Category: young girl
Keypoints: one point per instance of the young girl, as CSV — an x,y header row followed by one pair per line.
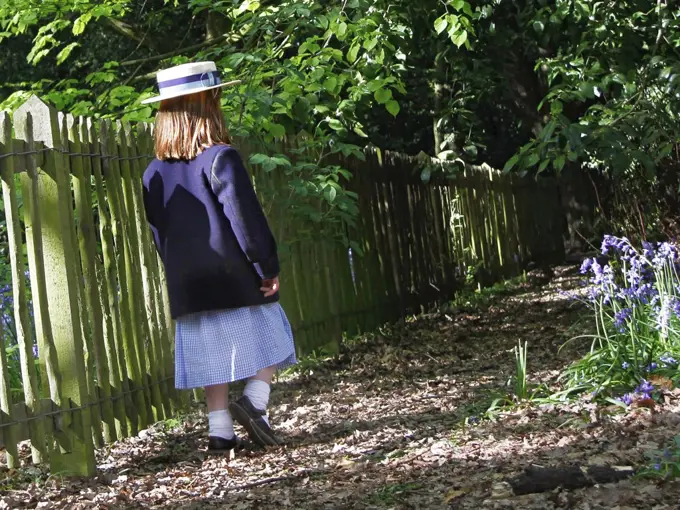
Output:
x,y
219,255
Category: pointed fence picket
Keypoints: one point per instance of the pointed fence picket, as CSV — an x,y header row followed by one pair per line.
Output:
x,y
88,288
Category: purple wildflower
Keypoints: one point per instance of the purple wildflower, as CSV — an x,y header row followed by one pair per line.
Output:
x,y
645,387
621,318
35,351
625,365
657,466
586,265
668,360
620,244
653,366
627,399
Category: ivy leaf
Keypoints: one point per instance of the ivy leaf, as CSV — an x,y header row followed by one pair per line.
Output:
x,y
375,85
269,165
64,54
440,24
330,84
335,124
258,159
471,150
458,4
281,160
393,107
369,44
353,52
511,163
383,95
81,23
330,194
460,38
277,130
342,29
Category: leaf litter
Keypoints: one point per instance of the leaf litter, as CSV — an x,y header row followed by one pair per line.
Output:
x,y
400,419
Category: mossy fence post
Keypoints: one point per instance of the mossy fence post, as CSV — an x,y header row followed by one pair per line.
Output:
x,y
54,195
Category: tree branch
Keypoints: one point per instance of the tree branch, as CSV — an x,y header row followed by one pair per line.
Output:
x,y
124,29
155,58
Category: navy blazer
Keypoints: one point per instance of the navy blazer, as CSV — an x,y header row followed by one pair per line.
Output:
x,y
210,232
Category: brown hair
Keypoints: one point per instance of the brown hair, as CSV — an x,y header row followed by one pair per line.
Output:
x,y
186,125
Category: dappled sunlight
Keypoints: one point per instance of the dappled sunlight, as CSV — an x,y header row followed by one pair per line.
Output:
x,y
407,419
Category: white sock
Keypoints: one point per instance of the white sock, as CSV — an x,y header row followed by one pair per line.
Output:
x,y
258,393
220,424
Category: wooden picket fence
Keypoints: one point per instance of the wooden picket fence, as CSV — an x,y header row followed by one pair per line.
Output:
x,y
97,307
419,241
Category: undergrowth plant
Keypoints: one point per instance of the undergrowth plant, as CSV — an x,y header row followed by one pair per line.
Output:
x,y
664,463
635,299
521,389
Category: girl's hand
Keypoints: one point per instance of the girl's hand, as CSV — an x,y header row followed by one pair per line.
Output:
x,y
270,287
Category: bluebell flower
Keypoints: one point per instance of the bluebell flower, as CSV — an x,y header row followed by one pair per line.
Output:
x,y
35,351
676,307
645,387
657,467
668,360
621,318
628,399
586,265
625,365
620,244
607,243
653,366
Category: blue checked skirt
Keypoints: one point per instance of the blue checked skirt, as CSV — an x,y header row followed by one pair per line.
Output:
x,y
224,346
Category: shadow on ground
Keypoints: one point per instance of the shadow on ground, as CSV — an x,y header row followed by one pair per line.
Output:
x,y
397,421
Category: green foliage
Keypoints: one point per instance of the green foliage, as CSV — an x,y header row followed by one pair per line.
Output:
x,y
634,299
457,22
308,364
521,388
612,75
663,464
305,67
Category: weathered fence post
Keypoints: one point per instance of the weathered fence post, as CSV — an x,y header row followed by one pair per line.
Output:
x,y
28,371
56,202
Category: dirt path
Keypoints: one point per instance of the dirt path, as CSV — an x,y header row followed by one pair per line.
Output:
x,y
397,422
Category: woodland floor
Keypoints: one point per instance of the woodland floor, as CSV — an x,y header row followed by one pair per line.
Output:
x,y
384,426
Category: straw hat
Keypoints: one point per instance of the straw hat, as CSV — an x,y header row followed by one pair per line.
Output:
x,y
187,79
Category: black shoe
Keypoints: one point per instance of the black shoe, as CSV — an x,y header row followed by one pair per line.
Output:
x,y
252,420
217,445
